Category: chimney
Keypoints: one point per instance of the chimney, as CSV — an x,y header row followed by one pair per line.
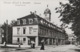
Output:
x,y
31,12
34,12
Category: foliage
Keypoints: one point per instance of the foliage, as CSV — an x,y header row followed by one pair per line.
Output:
x,y
70,13
7,33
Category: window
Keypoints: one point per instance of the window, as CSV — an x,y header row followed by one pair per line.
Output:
x,y
30,30
24,30
18,40
24,21
24,39
30,21
49,25
36,20
41,21
18,22
18,30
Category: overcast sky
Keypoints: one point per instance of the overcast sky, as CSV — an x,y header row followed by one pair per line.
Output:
x,y
13,9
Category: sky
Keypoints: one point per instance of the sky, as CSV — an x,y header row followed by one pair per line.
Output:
x,y
13,9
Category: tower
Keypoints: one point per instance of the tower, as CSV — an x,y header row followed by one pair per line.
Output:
x,y
47,14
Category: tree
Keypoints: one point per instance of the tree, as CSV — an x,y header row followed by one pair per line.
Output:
x,y
7,33
70,13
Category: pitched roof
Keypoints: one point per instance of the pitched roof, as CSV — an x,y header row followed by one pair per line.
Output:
x,y
37,16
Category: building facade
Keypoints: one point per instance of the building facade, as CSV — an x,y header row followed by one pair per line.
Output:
x,y
35,28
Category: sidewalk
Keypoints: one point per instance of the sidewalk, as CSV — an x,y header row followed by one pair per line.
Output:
x,y
23,46
28,46
48,48
16,46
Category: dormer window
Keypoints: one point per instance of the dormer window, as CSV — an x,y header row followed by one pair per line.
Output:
x,y
24,21
53,27
49,25
30,21
44,22
41,21
36,20
18,22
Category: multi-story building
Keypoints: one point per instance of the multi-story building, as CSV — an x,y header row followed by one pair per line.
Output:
x,y
35,28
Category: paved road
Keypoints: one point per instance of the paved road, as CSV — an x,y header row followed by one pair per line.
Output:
x,y
63,48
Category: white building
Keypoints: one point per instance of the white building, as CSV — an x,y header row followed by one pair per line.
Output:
x,y
24,34
35,28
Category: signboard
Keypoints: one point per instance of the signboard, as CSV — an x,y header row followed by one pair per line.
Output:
x,y
33,30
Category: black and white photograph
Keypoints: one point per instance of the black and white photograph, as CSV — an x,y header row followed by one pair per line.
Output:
x,y
39,25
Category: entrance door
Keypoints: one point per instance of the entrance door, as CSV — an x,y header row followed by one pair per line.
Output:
x,y
31,39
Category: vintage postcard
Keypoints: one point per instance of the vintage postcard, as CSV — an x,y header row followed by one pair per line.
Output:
x,y
33,26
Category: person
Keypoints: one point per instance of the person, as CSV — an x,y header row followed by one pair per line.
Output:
x,y
42,45
32,44
4,43
19,45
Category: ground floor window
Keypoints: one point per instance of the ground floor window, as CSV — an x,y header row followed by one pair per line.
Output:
x,y
24,39
18,40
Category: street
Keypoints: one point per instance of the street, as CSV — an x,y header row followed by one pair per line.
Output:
x,y
60,48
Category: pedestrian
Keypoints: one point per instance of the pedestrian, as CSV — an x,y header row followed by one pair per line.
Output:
x,y
19,45
32,44
4,43
42,45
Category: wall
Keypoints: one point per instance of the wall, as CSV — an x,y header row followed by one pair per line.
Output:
x,y
32,32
